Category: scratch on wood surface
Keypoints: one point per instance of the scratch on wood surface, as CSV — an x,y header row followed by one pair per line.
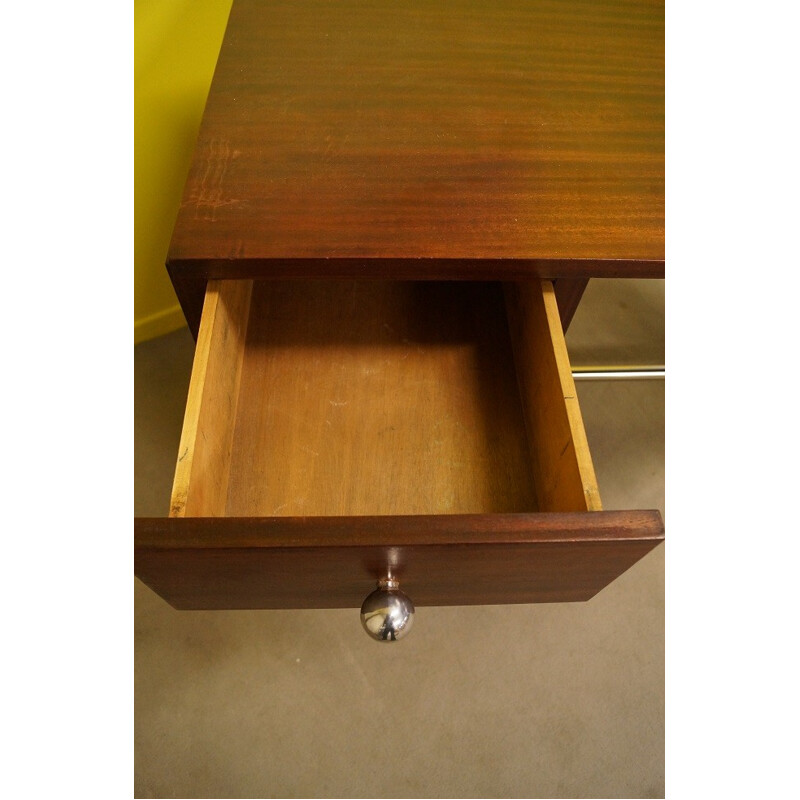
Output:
x,y
207,195
178,504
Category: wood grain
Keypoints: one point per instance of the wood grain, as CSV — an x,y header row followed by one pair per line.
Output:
x,y
201,473
319,562
562,465
373,397
353,140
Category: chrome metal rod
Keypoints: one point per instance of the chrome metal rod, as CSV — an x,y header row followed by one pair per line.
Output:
x,y
581,374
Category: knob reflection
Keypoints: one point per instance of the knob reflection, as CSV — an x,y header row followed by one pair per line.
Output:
x,y
387,614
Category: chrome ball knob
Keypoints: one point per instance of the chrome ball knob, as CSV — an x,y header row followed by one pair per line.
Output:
x,y
387,613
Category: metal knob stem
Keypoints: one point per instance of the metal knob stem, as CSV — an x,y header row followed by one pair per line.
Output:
x,y
387,613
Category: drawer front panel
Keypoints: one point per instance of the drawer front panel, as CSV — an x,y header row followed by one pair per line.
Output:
x,y
332,562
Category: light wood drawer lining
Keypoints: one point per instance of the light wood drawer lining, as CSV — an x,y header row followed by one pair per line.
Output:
x,y
355,398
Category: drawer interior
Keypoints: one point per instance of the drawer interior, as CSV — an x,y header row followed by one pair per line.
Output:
x,y
350,398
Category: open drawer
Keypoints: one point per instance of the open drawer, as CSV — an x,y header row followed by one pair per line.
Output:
x,y
337,430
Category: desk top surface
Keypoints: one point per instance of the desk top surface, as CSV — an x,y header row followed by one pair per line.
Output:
x,y
416,139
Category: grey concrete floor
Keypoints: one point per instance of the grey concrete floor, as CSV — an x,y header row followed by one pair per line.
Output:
x,y
557,700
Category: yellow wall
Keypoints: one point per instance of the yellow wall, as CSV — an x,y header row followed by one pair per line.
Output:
x,y
177,43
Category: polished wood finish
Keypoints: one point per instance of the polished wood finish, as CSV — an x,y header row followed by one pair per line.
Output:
x,y
562,465
349,410
507,140
332,562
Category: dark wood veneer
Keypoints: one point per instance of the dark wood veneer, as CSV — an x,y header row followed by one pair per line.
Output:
x,y
508,140
332,562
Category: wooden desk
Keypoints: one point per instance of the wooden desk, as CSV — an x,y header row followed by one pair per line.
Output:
x,y
456,140
354,161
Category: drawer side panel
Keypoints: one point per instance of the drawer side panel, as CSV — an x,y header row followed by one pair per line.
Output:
x,y
200,487
562,465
